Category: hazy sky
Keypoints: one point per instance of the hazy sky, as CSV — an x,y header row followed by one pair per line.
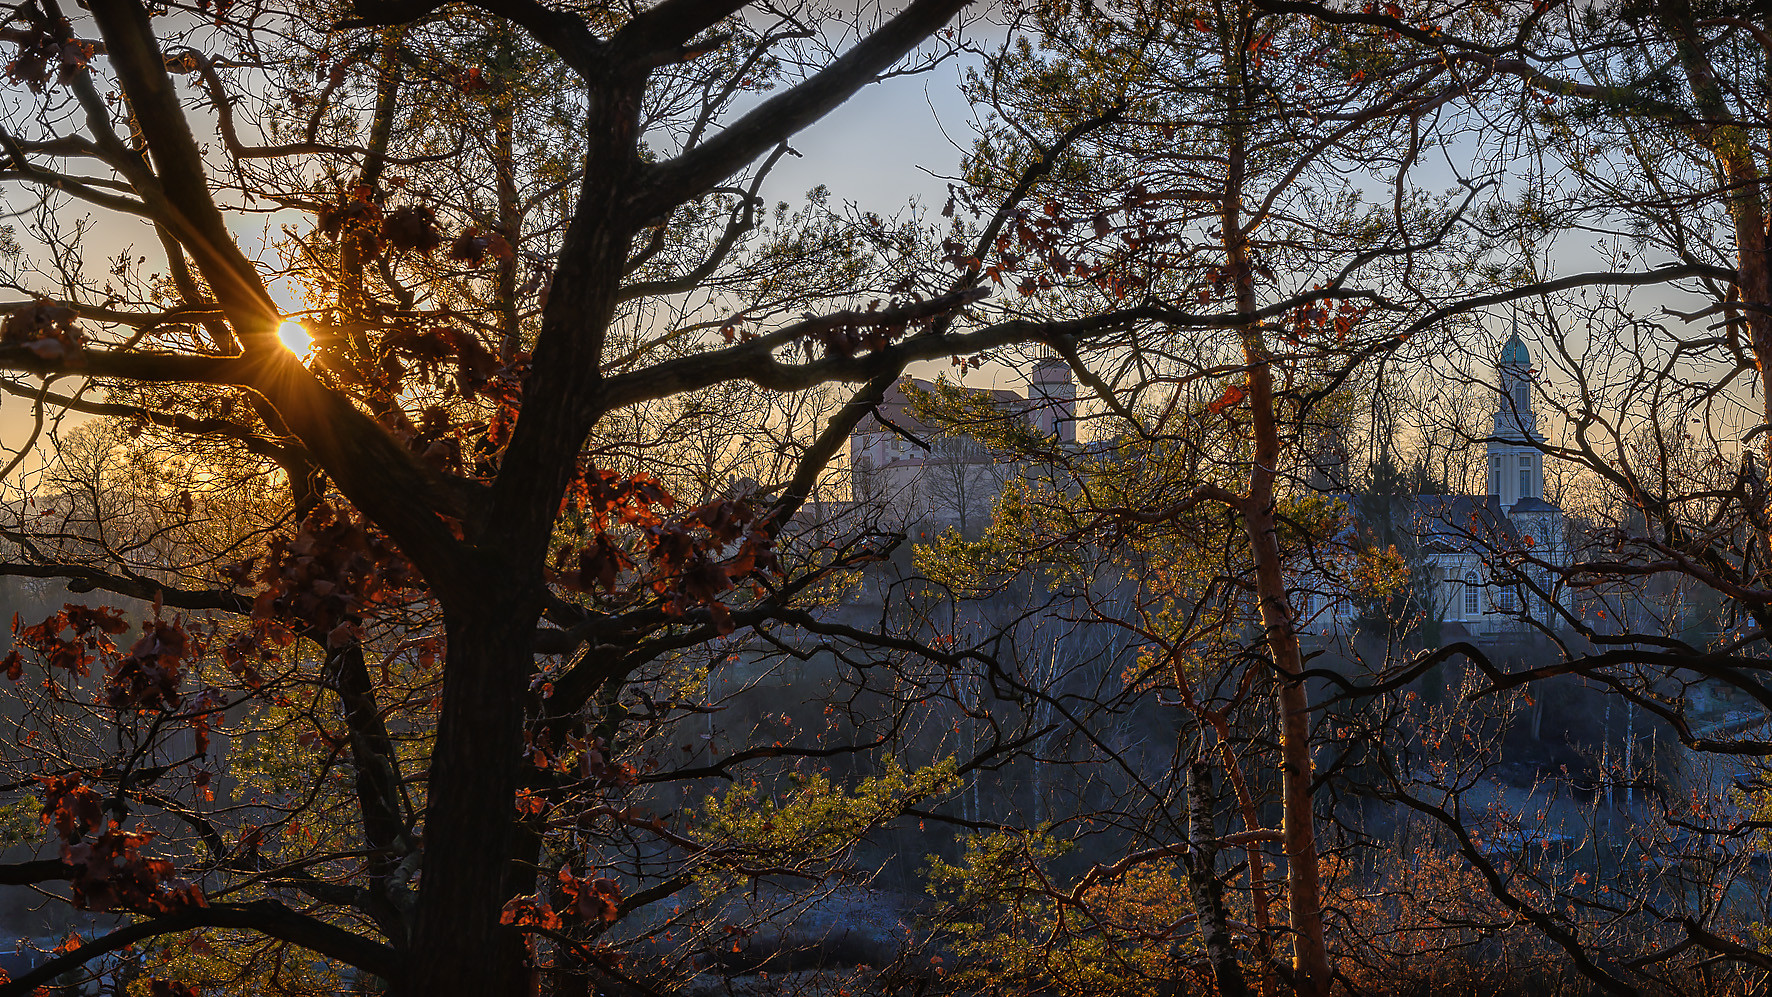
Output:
x,y
880,148
879,151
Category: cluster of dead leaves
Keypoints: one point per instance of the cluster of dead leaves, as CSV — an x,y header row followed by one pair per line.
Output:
x,y
47,50
595,766
1324,319
473,246
91,629
700,557
409,228
586,900
435,438
330,575
110,871
868,330
429,349
1092,243
147,678
606,498
247,650
43,327
688,561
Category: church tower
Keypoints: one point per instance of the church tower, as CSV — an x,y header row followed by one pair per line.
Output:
x,y
1054,397
1516,466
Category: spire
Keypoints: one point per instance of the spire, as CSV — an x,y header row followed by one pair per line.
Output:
x,y
1513,352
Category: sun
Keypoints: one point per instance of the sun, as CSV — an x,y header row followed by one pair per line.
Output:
x,y
295,339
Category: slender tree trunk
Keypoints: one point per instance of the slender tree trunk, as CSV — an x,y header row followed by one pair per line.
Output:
x,y
1043,716
1208,893
1257,864
510,224
1304,899
1304,894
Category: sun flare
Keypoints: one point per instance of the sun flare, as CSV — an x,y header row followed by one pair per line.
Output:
x,y
295,338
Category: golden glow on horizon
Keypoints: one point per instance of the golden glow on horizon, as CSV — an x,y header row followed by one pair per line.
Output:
x,y
295,338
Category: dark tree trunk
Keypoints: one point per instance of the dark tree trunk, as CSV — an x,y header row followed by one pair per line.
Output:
x,y
471,835
459,947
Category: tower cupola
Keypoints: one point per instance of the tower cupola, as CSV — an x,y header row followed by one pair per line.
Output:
x,y
1513,376
1516,464
1514,353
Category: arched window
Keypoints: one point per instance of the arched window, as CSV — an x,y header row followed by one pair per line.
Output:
x,y
1504,600
1522,396
1471,605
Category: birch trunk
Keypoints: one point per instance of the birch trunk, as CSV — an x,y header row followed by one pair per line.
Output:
x,y
1208,893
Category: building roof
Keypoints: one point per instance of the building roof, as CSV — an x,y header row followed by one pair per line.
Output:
x,y
895,407
1455,519
1514,353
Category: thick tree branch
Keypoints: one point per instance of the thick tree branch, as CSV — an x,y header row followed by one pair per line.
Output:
x,y
662,31
755,361
38,871
266,917
565,33
153,368
81,578
284,456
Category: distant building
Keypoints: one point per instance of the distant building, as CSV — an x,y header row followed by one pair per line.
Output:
x,y
913,473
1487,557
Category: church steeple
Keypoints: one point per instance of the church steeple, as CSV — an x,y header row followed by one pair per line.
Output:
x,y
1516,466
1513,375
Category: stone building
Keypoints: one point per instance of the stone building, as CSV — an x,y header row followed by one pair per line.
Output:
x,y
913,473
